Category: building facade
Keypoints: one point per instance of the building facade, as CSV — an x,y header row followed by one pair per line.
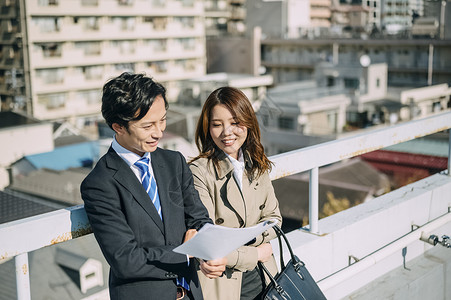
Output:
x,y
61,53
410,62
225,17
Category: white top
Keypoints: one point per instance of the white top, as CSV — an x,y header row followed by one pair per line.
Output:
x,y
238,167
130,158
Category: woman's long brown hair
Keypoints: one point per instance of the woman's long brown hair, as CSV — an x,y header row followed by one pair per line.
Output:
x,y
241,108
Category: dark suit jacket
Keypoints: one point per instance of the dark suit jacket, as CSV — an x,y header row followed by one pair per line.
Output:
x,y
135,242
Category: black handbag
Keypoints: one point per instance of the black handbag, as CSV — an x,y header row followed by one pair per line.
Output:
x,y
293,281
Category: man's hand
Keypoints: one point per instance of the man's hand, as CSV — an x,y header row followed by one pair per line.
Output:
x,y
264,252
189,234
213,268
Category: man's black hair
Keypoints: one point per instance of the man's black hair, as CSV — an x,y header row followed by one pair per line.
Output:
x,y
128,97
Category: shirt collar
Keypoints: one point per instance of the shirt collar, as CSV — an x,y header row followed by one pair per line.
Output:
x,y
237,163
129,157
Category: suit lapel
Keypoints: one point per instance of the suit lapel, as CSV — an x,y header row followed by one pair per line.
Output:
x,y
163,176
128,180
161,179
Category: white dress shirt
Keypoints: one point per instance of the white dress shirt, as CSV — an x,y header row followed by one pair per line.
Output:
x,y
130,158
238,167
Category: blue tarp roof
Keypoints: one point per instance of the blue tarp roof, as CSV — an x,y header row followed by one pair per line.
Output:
x,y
62,158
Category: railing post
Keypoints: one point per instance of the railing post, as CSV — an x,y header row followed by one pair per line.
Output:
x,y
22,277
313,200
449,153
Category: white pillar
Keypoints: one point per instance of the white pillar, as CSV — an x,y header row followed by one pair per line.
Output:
x,y
23,277
313,200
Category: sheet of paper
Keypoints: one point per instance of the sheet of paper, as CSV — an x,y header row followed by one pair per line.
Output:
x,y
214,241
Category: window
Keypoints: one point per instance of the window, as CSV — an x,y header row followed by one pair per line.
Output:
x,y
88,23
47,24
187,64
51,76
89,2
51,49
125,2
187,3
286,123
158,23
53,101
125,67
125,47
158,3
124,23
89,48
188,43
187,22
158,66
351,83
90,96
92,72
157,45
47,2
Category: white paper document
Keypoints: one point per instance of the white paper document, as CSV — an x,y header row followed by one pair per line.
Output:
x,y
214,241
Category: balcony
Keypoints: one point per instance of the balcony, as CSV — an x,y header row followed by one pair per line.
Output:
x,y
378,249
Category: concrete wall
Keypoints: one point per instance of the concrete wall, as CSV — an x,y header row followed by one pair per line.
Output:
x,y
375,233
230,55
20,141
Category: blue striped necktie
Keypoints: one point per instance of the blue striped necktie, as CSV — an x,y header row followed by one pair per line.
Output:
x,y
149,183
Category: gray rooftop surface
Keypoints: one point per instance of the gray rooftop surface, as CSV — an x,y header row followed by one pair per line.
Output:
x,y
14,206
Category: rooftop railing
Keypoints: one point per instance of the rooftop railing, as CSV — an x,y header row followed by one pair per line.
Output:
x,y
29,234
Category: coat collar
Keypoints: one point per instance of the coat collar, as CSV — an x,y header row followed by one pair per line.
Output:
x,y
225,166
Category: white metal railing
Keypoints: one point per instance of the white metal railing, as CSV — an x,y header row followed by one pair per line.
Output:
x,y
29,234
311,158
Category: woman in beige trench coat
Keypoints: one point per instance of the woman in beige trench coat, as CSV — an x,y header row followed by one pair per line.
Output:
x,y
231,175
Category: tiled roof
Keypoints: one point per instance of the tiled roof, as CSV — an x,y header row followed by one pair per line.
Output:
x,y
11,119
426,146
61,186
14,206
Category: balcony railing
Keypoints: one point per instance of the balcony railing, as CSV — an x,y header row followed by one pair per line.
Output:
x,y
29,234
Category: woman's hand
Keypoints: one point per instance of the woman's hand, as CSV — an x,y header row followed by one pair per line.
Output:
x,y
213,268
264,252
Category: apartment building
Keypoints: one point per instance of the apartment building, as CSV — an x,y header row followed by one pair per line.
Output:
x,y
412,63
397,15
61,53
341,99
288,18
225,17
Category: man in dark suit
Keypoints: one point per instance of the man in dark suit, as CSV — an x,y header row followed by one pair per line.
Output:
x,y
136,224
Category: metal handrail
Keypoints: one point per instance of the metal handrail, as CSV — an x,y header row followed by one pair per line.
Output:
x,y
313,157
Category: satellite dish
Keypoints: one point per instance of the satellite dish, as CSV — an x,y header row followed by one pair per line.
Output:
x,y
365,60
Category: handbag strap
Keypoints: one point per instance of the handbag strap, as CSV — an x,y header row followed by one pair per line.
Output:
x,y
280,235
264,269
296,262
276,285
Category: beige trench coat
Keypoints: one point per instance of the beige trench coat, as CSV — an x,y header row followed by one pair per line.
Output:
x,y
228,206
